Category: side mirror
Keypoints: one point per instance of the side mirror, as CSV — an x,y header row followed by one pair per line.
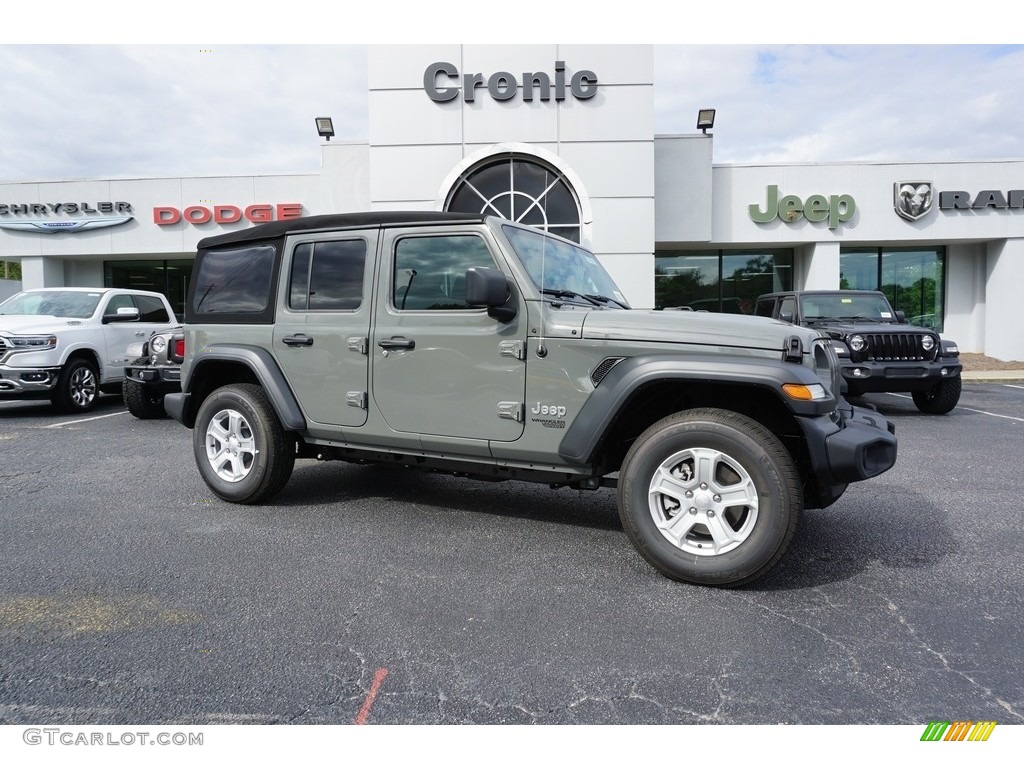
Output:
x,y
786,317
123,315
486,287
901,316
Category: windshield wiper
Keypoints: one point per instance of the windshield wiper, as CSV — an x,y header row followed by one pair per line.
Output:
x,y
604,299
561,293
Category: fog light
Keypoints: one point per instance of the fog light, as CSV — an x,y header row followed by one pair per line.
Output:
x,y
35,378
945,371
857,372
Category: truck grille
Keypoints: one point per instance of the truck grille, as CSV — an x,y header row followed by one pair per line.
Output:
x,y
888,347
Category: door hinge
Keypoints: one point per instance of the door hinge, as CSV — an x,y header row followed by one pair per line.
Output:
x,y
356,399
360,344
516,349
512,411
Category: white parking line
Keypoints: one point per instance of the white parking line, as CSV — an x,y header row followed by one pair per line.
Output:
x,y
1015,386
974,410
91,418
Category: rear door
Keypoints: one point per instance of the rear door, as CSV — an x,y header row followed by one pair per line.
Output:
x,y
321,334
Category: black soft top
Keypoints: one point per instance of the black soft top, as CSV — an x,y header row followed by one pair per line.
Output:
x,y
331,221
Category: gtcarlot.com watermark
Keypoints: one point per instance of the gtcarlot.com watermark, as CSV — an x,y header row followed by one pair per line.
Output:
x,y
69,737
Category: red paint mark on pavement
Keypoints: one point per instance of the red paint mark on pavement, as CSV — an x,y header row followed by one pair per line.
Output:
x,y
364,713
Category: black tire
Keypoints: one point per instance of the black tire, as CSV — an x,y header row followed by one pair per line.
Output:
x,y
142,402
942,398
243,453
78,387
704,451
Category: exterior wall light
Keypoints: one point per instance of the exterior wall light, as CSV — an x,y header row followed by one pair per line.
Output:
x,y
325,127
705,119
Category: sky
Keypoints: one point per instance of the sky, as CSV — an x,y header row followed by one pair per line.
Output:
x,y
142,97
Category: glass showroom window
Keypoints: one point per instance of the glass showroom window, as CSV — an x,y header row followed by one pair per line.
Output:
x,y
720,281
170,278
912,278
521,189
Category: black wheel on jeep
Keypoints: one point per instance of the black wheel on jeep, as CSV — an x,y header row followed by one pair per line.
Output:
x,y
710,496
241,449
142,401
77,387
942,398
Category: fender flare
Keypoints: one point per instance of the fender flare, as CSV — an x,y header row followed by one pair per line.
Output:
x,y
257,360
633,373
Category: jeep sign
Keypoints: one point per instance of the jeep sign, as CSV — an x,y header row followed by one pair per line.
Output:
x,y
836,209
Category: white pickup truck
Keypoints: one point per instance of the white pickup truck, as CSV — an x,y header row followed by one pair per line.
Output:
x,y
69,344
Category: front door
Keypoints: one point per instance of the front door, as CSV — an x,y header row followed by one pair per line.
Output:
x,y
441,367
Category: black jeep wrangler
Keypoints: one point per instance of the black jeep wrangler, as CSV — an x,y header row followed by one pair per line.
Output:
x,y
878,350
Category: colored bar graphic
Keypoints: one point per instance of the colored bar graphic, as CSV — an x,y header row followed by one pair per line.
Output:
x,y
958,730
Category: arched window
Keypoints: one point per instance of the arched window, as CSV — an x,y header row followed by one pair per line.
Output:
x,y
522,189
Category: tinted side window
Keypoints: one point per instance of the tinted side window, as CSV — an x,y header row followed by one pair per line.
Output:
x,y
236,281
788,307
327,275
430,272
123,301
765,307
151,309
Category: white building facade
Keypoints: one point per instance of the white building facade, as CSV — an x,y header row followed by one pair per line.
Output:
x,y
562,137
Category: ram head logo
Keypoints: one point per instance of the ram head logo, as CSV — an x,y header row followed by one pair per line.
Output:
x,y
912,199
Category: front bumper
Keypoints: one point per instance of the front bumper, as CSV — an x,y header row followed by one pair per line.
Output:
x,y
872,376
18,383
858,445
161,378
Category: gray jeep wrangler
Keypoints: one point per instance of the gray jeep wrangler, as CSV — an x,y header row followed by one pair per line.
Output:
x,y
474,345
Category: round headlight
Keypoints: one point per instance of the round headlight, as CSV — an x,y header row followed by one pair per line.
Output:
x,y
857,342
158,344
928,343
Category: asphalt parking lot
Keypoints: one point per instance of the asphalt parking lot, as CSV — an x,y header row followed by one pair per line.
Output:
x,y
129,594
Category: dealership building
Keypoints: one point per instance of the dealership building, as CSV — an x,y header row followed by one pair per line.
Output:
x,y
562,137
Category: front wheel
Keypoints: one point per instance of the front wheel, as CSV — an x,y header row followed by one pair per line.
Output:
x,y
243,453
142,402
710,496
77,387
942,398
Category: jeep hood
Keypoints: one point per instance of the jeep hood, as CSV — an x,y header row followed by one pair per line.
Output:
x,y
699,328
846,327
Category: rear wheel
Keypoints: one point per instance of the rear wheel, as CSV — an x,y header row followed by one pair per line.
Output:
x,y
710,496
242,451
942,398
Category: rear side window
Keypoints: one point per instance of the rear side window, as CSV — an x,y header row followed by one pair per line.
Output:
x,y
327,275
151,309
234,282
765,307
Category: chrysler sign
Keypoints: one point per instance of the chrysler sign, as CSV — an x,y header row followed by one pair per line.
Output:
x,y
50,218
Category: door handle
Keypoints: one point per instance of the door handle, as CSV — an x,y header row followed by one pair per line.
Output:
x,y
301,340
396,342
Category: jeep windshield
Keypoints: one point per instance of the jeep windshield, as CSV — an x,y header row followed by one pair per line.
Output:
x,y
76,304
564,270
829,308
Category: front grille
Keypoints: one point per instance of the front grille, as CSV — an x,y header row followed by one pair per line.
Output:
x,y
892,347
